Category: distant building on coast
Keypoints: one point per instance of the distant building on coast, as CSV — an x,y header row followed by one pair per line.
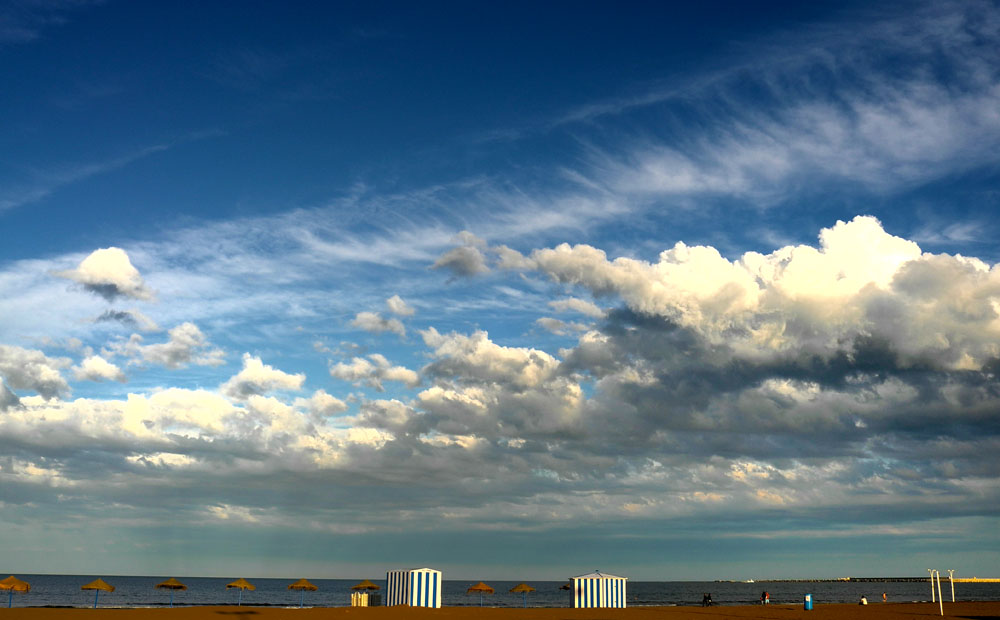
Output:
x,y
597,589
416,587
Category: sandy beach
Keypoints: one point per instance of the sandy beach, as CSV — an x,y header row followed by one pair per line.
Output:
x,y
875,611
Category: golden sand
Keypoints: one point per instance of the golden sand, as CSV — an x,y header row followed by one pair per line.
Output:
x,y
874,611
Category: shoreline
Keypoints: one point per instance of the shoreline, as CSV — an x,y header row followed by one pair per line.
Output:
x,y
832,611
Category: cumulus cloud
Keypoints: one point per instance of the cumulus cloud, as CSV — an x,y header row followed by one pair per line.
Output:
x,y
861,280
399,307
186,344
109,273
476,356
257,378
373,371
465,260
574,304
489,390
28,369
558,327
96,368
375,323
321,404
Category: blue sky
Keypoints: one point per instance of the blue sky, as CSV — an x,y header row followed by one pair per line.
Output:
x,y
677,292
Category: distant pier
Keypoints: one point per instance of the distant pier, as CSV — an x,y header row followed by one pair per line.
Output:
x,y
883,579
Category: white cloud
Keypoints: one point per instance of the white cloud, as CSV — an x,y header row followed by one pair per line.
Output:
x,y
257,378
27,369
573,304
186,344
884,130
477,357
559,327
110,274
96,368
375,323
860,280
373,371
322,404
399,307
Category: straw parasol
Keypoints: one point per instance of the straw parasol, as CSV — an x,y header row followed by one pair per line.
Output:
x,y
12,584
523,588
302,585
97,585
171,584
242,584
366,585
482,588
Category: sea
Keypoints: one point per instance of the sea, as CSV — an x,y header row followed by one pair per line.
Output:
x,y
132,591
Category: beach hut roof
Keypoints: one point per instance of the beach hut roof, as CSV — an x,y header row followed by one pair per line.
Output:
x,y
522,587
242,584
481,587
14,584
366,585
98,584
598,575
302,584
171,584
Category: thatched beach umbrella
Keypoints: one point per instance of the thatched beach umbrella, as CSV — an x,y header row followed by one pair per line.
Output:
x,y
523,588
242,584
12,584
97,585
172,585
302,585
482,588
366,585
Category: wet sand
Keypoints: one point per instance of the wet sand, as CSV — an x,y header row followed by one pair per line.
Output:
x,y
873,611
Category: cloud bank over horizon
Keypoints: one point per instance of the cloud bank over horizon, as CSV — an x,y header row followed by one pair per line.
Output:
x,y
857,375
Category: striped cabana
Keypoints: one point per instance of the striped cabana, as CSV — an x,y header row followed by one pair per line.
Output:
x,y
416,587
598,590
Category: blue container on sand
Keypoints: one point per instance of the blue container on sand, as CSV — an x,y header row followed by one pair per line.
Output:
x,y
808,603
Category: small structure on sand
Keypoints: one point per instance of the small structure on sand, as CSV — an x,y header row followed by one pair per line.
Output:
x,y
365,594
598,589
416,587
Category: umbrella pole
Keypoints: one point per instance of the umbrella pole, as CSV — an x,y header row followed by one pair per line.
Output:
x,y
239,603
171,598
480,599
524,595
96,594
10,597
302,596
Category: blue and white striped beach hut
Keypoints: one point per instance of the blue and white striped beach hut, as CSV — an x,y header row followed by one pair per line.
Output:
x,y
416,587
598,590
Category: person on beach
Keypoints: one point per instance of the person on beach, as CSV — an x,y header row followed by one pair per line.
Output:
x,y
863,601
706,600
884,599
764,598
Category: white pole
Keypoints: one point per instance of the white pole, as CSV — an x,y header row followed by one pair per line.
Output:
x,y
931,571
951,580
940,598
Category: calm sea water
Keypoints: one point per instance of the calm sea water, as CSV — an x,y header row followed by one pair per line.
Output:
x,y
64,591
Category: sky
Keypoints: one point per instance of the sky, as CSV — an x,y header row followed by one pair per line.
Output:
x,y
678,291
